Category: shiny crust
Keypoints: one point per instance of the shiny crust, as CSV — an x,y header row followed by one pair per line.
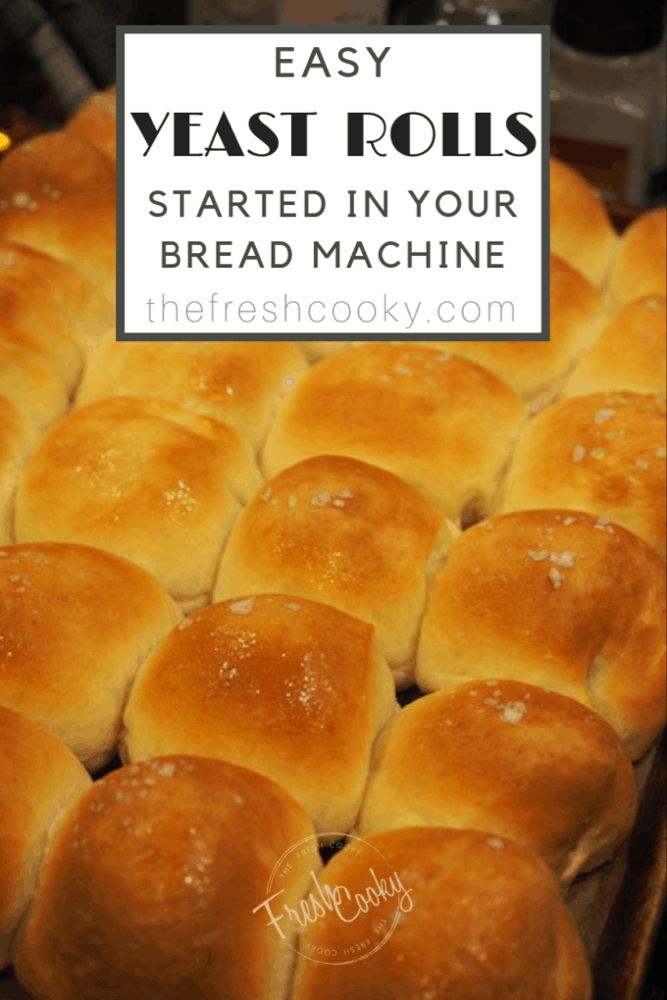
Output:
x,y
75,624
337,530
603,453
536,370
39,777
557,599
149,885
487,923
240,383
640,265
47,308
512,759
293,689
144,479
441,423
58,195
629,353
581,232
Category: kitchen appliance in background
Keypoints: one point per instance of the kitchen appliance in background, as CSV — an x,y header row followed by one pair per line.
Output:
x,y
42,37
74,41
606,82
657,184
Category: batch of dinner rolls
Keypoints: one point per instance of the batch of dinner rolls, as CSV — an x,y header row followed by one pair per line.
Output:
x,y
221,565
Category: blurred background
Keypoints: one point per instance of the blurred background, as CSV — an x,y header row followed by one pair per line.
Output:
x,y
607,82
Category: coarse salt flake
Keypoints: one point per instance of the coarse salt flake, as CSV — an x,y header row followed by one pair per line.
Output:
x,y
242,607
513,712
565,559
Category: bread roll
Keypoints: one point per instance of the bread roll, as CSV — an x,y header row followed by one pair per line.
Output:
x,y
241,383
293,689
603,453
144,479
536,370
48,308
28,382
15,443
39,777
58,195
628,354
464,916
512,759
75,625
315,350
640,264
149,886
95,121
558,599
441,423
581,232
341,531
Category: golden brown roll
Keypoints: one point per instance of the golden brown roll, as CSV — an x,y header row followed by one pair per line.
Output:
x,y
28,382
315,350
464,916
581,232
95,121
559,599
39,777
293,689
640,263
47,307
512,759
58,195
336,530
75,624
603,453
441,423
144,479
240,383
149,885
628,354
15,443
536,371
